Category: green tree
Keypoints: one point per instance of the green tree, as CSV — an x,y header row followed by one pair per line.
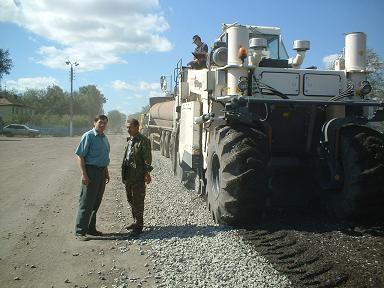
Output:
x,y
33,98
375,67
116,121
49,101
6,63
137,115
55,101
92,100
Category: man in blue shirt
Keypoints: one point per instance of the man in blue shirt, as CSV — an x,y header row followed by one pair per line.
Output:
x,y
93,160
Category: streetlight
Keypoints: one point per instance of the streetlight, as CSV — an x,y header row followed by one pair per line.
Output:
x,y
71,99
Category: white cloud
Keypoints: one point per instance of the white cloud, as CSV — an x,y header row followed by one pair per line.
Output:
x,y
121,85
94,33
138,91
136,87
329,60
23,84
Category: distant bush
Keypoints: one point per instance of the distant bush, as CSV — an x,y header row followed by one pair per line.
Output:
x,y
59,120
48,120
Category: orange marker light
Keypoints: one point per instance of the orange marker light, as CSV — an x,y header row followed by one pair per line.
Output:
x,y
242,53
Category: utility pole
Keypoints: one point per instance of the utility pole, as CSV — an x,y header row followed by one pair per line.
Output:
x,y
71,99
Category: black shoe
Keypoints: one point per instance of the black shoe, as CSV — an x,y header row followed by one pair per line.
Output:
x,y
94,233
131,226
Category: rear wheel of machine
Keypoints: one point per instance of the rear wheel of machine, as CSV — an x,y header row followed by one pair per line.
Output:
x,y
167,140
154,145
162,137
236,174
362,157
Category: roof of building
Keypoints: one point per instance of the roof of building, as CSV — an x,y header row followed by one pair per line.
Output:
x,y
6,102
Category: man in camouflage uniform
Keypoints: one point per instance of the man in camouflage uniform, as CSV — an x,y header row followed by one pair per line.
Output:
x,y
136,167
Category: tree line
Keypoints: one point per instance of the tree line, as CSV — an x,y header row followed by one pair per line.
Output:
x,y
51,106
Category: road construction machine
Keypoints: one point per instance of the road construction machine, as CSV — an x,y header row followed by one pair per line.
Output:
x,y
254,114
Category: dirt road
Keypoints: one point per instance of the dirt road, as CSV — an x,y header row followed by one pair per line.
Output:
x,y
39,190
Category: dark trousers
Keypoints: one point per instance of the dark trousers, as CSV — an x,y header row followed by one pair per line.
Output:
x,y
135,197
90,200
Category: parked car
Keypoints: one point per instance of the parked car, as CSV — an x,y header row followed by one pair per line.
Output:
x,y
21,130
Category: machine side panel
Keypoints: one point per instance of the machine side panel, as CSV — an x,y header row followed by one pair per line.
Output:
x,y
190,134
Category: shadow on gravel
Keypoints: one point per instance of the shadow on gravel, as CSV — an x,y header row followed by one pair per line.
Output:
x,y
166,232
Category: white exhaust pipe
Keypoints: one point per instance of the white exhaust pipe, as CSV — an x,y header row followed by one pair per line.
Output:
x,y
356,57
237,38
301,46
257,45
355,52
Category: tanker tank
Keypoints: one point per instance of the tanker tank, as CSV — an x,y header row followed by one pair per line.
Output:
x,y
162,114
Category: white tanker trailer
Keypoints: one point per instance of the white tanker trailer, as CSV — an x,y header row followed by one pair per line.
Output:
x,y
158,123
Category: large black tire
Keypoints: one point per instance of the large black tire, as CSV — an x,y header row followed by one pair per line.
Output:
x,y
362,157
237,175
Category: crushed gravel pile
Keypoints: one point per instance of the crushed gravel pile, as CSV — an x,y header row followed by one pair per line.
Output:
x,y
187,248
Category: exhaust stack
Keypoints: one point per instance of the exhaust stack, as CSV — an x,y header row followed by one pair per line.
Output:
x,y
356,58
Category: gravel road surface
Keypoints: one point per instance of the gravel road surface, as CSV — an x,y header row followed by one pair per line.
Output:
x,y
180,246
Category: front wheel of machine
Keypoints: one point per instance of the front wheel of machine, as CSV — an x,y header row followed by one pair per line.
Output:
x,y
362,157
236,174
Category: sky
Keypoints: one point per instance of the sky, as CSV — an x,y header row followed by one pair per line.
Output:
x,y
124,46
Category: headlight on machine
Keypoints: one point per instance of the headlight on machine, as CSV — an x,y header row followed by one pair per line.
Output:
x,y
243,84
364,89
